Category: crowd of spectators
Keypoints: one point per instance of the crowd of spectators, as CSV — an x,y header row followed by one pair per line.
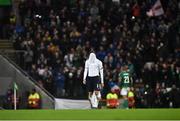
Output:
x,y
58,35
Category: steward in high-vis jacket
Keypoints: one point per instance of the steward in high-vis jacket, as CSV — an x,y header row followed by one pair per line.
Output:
x,y
34,100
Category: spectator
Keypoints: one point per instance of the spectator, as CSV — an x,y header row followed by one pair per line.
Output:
x,y
136,10
174,97
10,100
59,83
28,58
131,100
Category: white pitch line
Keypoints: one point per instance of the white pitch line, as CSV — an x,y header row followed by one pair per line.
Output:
x,y
89,120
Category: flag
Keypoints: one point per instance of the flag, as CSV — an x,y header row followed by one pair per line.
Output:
x,y
156,9
15,95
15,86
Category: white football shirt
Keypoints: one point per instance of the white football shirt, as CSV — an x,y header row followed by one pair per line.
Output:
x,y
93,67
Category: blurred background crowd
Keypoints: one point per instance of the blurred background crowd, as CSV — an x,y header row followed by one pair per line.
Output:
x,y
58,35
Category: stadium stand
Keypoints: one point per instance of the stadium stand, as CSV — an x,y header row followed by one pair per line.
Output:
x,y
58,35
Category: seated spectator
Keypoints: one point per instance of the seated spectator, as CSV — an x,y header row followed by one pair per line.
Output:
x,y
114,86
112,99
34,100
131,100
10,100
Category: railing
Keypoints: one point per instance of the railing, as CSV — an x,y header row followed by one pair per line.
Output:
x,y
15,55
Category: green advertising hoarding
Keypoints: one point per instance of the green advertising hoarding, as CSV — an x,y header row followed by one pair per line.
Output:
x,y
5,2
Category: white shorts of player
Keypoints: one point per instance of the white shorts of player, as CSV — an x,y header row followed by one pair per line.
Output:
x,y
124,91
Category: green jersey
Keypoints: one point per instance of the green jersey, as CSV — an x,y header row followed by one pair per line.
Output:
x,y
125,79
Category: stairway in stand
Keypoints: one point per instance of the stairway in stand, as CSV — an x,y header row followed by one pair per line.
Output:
x,y
7,49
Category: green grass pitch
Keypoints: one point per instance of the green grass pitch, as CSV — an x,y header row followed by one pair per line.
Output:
x,y
93,114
